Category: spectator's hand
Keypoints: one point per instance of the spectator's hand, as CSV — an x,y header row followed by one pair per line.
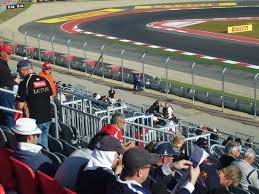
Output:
x,y
118,167
194,173
129,145
182,164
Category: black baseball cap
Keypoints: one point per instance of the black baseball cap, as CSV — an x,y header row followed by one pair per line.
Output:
x,y
137,158
165,149
23,63
109,143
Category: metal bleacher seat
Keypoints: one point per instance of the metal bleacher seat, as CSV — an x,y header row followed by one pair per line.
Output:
x,y
238,190
52,156
11,139
68,148
55,145
67,132
61,156
3,139
253,190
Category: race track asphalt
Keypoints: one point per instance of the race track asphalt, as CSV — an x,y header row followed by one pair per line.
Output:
x,y
132,27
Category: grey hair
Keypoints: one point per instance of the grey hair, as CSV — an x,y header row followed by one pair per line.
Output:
x,y
249,153
116,117
231,145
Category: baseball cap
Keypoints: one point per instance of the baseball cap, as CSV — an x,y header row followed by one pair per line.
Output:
x,y
23,63
6,48
109,143
165,149
26,126
137,158
46,66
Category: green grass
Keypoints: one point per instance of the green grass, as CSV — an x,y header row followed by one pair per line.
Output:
x,y
154,51
222,26
209,90
10,13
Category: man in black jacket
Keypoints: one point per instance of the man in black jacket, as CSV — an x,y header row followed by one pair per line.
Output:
x,y
6,82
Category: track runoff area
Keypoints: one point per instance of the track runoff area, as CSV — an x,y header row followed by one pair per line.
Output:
x,y
71,23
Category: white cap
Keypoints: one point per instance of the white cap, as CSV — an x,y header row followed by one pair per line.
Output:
x,y
26,126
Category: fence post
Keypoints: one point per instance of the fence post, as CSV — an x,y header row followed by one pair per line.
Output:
x,y
102,48
25,42
53,52
122,65
223,88
1,38
85,56
13,38
143,68
254,81
193,90
39,50
166,73
68,52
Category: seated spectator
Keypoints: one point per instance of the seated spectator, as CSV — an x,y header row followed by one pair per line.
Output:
x,y
238,140
154,108
249,173
67,173
213,181
27,134
170,111
177,144
249,143
98,173
111,96
230,138
232,152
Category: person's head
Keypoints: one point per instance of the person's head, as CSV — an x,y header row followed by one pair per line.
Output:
x,y
233,149
118,119
5,52
16,78
178,141
26,130
137,163
166,152
230,176
238,140
250,156
249,142
24,67
46,68
95,140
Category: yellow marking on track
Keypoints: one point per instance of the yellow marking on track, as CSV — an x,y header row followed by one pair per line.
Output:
x,y
227,4
80,16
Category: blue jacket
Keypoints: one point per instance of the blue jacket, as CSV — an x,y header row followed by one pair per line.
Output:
x,y
36,161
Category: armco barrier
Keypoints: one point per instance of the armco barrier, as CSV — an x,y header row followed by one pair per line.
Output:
x,y
105,70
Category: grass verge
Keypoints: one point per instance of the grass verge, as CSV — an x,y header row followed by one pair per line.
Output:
x,y
10,13
154,51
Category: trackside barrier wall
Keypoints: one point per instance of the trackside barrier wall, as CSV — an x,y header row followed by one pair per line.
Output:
x,y
149,80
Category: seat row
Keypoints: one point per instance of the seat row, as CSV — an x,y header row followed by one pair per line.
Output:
x,y
16,175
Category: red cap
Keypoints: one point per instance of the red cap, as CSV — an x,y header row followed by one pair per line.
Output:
x,y
6,48
46,66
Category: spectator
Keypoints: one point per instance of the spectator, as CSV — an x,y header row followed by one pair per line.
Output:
x,y
137,82
249,143
136,165
178,143
47,74
34,98
68,171
230,138
232,152
6,82
170,111
150,147
154,108
111,96
17,80
249,173
98,173
27,133
238,140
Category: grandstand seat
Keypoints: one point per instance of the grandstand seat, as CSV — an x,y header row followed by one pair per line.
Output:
x,y
55,145
49,185
61,156
238,190
3,139
11,139
68,148
2,191
25,177
253,190
7,178
52,156
67,132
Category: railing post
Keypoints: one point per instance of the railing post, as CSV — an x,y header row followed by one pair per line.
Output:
x,y
102,48
68,52
122,65
85,56
25,43
254,83
56,119
223,88
193,90
143,68
166,73
1,38
53,52
13,38
39,50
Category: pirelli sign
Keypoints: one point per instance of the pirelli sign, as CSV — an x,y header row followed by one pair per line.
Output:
x,y
243,28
